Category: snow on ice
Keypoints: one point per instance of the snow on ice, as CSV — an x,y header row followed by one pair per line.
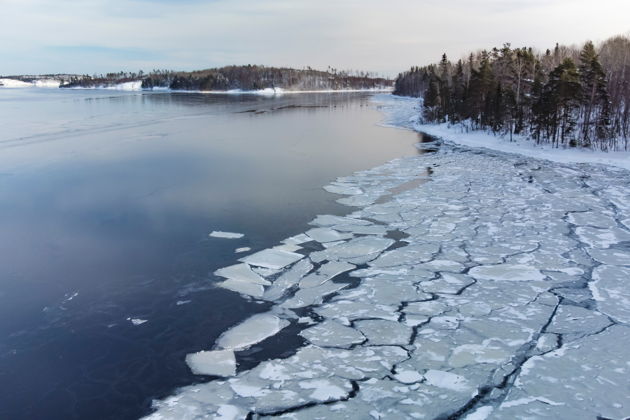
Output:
x,y
497,288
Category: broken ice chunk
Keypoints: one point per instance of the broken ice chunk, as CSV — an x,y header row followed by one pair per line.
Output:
x,y
612,256
244,249
610,290
343,189
325,273
408,376
251,331
137,321
226,235
381,332
288,279
312,295
243,286
297,239
507,272
447,380
216,363
332,334
241,272
272,258
288,247
358,250
327,389
328,220
327,235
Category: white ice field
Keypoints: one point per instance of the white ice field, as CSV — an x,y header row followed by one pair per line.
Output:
x,y
496,288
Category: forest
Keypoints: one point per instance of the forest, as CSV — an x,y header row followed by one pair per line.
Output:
x,y
248,77
566,96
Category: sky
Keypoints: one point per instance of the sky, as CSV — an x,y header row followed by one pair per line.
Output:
x,y
383,36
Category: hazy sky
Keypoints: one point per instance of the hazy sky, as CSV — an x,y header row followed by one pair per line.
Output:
x,y
387,36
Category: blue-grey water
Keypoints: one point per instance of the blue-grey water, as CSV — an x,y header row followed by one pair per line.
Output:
x,y
106,202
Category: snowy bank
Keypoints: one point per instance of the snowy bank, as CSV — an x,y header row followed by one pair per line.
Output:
x,y
39,83
405,112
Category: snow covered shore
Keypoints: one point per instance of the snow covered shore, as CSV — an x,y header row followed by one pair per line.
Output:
x,y
405,112
466,283
136,86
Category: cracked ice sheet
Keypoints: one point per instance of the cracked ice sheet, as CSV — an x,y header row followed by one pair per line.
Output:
x,y
584,379
476,288
611,290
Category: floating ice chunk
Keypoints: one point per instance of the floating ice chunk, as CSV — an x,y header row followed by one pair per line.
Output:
x,y
332,334
408,376
251,331
507,272
325,389
182,302
357,250
243,249
491,351
443,265
611,256
574,319
362,229
288,279
217,363
601,238
137,321
272,258
349,310
331,244
326,272
265,272
611,290
381,332
226,235
592,219
343,189
328,220
312,295
241,272
430,308
288,247
447,284
410,254
297,239
447,380
244,287
327,235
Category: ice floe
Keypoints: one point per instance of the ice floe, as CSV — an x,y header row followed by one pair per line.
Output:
x,y
217,363
251,331
226,235
272,258
496,288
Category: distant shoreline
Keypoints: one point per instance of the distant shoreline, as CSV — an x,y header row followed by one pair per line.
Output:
x,y
9,83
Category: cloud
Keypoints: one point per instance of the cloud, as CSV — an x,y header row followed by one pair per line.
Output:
x,y
385,36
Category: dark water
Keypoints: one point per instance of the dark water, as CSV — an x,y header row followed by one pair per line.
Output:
x,y
106,202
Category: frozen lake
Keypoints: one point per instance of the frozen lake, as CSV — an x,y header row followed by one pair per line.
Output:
x,y
107,200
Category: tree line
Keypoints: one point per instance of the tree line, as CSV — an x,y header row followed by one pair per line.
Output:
x,y
248,77
569,96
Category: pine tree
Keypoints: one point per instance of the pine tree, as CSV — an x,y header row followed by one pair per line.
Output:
x,y
562,94
594,96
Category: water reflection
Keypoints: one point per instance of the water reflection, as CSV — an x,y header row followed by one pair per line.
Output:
x,y
106,200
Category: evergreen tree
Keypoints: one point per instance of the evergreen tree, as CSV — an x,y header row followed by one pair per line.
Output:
x,y
594,95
